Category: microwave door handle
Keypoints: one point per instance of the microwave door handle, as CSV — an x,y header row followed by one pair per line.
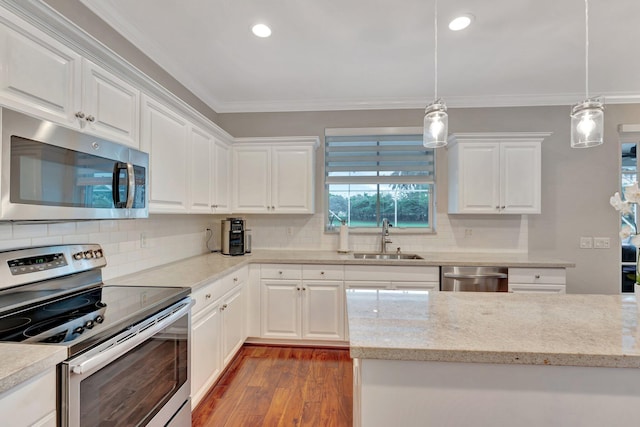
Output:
x,y
131,185
115,184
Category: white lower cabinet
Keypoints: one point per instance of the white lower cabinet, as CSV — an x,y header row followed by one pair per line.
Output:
x,y
31,403
302,302
217,331
538,280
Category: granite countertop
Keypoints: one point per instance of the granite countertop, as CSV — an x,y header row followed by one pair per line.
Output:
x,y
198,271
23,361
567,330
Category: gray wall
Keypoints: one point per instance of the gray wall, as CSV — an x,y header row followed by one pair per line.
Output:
x,y
576,183
84,18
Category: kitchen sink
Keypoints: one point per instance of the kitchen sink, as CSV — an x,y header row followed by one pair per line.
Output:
x,y
379,256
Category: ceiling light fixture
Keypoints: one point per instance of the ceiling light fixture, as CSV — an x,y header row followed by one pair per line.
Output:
x,y
460,22
261,30
587,117
436,120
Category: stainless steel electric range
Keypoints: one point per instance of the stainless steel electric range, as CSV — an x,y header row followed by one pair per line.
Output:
x,y
128,347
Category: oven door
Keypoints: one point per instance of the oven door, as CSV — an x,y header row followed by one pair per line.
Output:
x,y
139,377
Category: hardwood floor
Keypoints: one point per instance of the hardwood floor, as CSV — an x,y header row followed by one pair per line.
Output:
x,y
281,386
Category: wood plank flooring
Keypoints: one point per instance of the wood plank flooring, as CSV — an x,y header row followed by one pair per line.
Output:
x,y
281,386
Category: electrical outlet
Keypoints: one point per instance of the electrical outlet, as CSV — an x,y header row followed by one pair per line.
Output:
x,y
601,242
468,232
586,242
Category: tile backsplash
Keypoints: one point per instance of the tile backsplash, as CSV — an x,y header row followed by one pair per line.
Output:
x,y
129,245
455,233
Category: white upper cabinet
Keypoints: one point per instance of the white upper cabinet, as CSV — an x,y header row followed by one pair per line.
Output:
x,y
43,77
165,136
221,177
110,106
201,149
495,173
39,75
274,175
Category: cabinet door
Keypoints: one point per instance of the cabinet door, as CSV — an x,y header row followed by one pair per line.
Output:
x,y
164,136
38,74
201,146
520,177
206,353
479,178
251,179
292,180
221,177
31,403
323,310
281,309
110,106
232,323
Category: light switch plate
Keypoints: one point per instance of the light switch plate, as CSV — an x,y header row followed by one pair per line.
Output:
x,y
586,242
601,242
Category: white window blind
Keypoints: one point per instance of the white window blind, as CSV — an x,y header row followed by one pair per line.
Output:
x,y
378,159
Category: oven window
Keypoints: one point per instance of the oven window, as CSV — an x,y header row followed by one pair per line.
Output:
x,y
132,389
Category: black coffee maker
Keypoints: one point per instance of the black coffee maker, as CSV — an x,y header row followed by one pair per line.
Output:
x,y
232,236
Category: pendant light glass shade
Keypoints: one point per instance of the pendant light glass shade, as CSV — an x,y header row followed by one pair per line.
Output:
x,y
436,125
587,124
436,119
587,118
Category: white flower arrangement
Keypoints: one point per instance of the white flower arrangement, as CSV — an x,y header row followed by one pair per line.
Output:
x,y
631,196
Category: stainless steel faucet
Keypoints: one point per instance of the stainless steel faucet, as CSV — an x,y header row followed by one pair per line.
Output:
x,y
385,236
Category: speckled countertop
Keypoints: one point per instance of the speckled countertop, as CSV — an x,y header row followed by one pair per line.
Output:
x,y
22,361
569,330
197,271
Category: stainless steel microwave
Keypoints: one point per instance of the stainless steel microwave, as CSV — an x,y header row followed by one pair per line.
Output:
x,y
52,173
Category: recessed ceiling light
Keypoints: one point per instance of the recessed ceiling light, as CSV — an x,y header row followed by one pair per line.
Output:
x,y
460,22
261,30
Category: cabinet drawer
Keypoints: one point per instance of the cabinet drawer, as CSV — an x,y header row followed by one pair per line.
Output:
x,y
322,272
392,273
530,288
281,271
555,276
204,296
232,280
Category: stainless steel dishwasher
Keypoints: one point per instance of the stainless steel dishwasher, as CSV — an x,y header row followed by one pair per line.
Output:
x,y
474,279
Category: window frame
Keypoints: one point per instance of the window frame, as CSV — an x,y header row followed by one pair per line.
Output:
x,y
380,131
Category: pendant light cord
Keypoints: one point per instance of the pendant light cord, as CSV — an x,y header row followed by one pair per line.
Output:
x,y
586,47
435,61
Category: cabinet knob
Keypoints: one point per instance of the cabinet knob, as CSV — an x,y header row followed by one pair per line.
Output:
x,y
224,306
304,289
91,119
502,207
298,288
537,276
322,273
497,207
235,279
280,273
207,296
80,115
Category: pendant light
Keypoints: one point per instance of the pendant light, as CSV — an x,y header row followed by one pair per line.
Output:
x,y
587,117
436,120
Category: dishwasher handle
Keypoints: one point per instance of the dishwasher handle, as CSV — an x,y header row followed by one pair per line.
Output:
x,y
476,276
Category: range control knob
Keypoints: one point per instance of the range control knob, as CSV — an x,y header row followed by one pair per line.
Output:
x,y
88,254
98,253
79,330
99,319
78,255
89,324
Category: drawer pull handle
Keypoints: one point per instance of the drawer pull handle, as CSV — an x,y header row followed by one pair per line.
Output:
x,y
207,296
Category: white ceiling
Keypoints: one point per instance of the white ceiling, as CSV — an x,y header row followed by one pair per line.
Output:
x,y
362,54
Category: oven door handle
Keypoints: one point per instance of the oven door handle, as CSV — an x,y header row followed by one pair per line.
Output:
x,y
128,340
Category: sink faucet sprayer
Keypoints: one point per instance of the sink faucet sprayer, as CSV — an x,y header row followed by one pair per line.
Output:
x,y
385,236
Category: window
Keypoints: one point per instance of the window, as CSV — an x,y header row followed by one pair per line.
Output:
x,y
628,176
371,174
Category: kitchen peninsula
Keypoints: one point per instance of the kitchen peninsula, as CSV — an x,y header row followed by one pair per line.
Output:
x,y
429,358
